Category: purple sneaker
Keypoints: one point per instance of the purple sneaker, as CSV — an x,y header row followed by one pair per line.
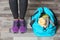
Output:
x,y
23,27
15,29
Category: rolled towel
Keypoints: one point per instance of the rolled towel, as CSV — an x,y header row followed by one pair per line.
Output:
x,y
44,21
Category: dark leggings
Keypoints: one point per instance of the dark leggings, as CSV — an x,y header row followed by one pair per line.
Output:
x,y
22,6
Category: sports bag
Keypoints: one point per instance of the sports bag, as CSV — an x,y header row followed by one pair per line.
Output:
x,y
43,22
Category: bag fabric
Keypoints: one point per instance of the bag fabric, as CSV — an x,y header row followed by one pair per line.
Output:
x,y
39,30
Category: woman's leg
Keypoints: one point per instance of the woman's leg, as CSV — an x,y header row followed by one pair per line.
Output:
x,y
23,7
14,8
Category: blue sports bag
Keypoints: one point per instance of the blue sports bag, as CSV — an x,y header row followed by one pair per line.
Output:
x,y
38,30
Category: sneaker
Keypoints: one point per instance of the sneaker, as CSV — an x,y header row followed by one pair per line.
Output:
x,y
15,29
22,27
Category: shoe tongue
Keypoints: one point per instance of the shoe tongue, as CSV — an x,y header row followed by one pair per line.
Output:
x,y
22,22
15,23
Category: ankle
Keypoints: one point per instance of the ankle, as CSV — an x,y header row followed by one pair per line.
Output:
x,y
15,19
21,19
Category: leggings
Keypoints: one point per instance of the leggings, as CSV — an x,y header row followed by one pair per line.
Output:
x,y
14,8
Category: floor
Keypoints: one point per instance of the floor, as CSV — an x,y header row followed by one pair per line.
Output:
x,y
6,22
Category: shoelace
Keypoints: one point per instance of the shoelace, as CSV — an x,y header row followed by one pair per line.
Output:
x,y
22,23
14,23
